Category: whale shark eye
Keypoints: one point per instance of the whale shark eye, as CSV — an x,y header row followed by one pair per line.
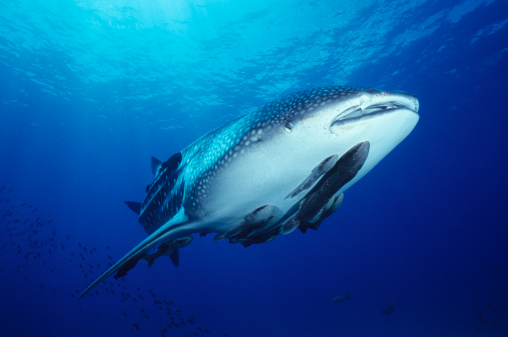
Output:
x,y
289,127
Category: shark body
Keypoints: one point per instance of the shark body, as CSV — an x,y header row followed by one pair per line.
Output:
x,y
282,167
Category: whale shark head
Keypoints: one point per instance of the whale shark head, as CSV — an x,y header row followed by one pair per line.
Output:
x,y
332,120
339,112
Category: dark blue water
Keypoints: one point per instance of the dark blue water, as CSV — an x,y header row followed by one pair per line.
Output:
x,y
90,90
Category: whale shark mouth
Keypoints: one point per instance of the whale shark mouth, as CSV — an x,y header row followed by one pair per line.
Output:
x,y
357,111
381,107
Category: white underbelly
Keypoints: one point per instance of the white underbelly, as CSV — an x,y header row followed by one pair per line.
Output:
x,y
268,171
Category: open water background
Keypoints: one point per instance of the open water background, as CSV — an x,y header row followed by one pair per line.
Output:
x,y
89,90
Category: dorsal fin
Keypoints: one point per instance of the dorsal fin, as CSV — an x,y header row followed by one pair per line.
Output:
x,y
172,163
134,206
164,196
156,164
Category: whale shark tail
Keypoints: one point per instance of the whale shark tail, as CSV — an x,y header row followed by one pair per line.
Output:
x,y
173,229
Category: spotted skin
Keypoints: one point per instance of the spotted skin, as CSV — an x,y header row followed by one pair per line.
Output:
x,y
164,196
213,152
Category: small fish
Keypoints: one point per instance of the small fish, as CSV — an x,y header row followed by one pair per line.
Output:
x,y
388,310
341,298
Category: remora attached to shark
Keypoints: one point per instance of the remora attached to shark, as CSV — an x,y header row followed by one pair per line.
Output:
x,y
282,167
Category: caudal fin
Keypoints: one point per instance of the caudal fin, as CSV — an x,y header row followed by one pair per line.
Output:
x,y
171,230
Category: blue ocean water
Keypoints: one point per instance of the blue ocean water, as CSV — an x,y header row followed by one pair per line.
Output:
x,y
89,90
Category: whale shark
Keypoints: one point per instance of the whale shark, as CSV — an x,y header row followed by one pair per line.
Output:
x,y
282,167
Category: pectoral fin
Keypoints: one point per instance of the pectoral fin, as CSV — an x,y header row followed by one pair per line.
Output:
x,y
316,173
175,257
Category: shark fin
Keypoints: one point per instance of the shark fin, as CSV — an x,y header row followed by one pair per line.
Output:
x,y
175,257
156,164
150,258
134,206
169,231
316,173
